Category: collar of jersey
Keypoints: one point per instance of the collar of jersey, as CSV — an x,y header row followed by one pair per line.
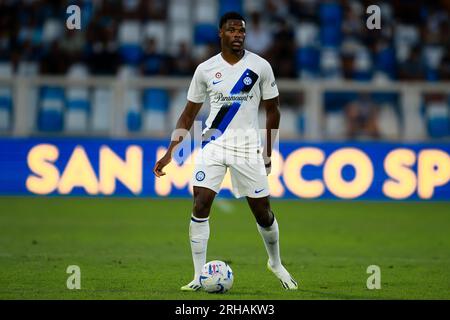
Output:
x,y
233,65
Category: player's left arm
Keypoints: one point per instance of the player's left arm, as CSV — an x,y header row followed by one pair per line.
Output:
x,y
272,125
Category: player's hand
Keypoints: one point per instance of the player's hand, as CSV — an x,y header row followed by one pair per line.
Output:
x,y
160,164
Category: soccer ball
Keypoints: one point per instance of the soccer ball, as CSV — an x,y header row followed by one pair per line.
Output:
x,y
216,277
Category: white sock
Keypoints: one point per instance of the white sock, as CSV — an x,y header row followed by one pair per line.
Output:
x,y
198,235
270,236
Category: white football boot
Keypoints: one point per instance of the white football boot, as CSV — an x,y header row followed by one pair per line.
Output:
x,y
194,285
287,281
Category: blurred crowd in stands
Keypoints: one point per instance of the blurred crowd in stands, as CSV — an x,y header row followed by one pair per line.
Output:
x,y
301,38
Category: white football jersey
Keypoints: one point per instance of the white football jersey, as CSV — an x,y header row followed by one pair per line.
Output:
x,y
235,92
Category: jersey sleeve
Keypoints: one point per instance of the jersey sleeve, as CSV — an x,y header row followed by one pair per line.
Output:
x,y
268,85
197,88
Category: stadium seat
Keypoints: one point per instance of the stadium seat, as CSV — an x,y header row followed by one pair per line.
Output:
x,y
385,62
52,30
335,125
5,98
438,120
289,119
156,30
129,37
230,5
51,108
27,34
156,99
6,69
179,32
132,100
362,70
129,32
205,33
30,69
77,101
200,51
155,111
176,107
205,11
388,122
102,104
308,59
131,53
5,109
432,58
330,64
179,11
402,53
406,35
300,123
87,12
253,6
306,35
330,14
386,11
330,36
133,110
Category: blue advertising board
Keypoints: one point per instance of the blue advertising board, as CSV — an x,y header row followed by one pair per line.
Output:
x,y
121,167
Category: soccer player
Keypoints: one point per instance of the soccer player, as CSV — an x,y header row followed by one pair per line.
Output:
x,y
235,80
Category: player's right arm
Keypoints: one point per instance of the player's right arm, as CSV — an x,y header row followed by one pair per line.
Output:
x,y
184,124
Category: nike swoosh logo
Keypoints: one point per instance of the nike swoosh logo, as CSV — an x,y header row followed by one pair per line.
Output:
x,y
216,82
258,191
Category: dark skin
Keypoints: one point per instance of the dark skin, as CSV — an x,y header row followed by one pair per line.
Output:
x,y
232,36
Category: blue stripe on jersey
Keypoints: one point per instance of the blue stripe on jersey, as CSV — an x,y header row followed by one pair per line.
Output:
x,y
240,86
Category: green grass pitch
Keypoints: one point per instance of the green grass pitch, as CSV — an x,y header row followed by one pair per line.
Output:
x,y
139,249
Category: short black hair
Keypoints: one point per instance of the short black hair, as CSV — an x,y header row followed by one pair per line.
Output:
x,y
232,15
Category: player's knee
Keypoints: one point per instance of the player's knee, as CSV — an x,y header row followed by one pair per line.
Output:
x,y
264,218
201,208
263,215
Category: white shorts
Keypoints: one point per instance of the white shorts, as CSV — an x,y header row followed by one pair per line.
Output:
x,y
248,173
